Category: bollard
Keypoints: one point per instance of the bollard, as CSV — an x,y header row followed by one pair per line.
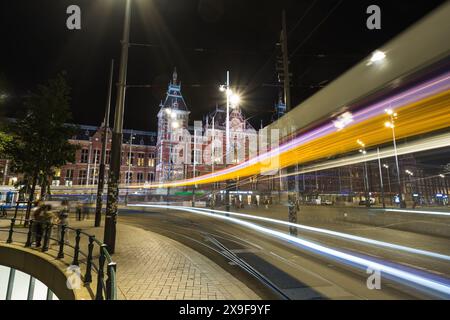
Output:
x,y
61,242
109,291
11,230
77,248
30,234
100,274
88,275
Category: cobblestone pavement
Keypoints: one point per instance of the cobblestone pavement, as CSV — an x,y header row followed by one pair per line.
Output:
x,y
154,267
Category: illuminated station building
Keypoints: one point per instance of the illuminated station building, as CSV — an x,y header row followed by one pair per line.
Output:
x,y
180,151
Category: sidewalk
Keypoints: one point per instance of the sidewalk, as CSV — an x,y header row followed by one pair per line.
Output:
x,y
154,267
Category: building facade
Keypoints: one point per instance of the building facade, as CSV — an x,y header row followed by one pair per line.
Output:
x,y
185,151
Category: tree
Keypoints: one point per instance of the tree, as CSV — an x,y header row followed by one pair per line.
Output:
x,y
41,135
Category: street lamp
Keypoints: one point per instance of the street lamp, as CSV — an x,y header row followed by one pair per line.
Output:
x,y
389,181
366,182
101,175
381,178
116,146
377,56
234,99
391,125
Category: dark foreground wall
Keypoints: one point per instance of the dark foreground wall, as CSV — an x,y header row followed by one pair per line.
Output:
x,y
48,272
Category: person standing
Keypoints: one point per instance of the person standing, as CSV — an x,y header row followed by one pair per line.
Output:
x,y
63,218
38,222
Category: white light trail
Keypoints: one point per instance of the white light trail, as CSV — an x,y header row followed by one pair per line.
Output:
x,y
318,248
335,234
439,213
436,142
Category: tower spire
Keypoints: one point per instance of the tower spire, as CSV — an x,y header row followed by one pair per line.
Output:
x,y
175,76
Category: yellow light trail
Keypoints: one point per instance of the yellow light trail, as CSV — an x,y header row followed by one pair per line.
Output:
x,y
424,116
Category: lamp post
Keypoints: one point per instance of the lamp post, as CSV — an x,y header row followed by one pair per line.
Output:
x,y
213,151
381,178
410,175
391,125
194,165
130,158
366,177
101,175
235,99
116,146
389,181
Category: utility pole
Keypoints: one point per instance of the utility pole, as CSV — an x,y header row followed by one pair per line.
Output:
x,y
285,53
286,76
129,175
381,179
116,147
101,174
195,165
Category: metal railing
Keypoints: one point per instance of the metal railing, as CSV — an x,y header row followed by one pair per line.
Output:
x,y
40,233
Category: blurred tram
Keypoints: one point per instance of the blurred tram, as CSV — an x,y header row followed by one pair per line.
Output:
x,y
421,52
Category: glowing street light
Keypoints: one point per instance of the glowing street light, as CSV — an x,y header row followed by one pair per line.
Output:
x,y
362,144
235,100
377,56
343,121
389,125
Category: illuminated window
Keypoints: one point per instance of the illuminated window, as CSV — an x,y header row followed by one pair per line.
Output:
x,y
151,160
141,159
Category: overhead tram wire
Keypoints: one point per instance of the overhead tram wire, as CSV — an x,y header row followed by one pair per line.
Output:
x,y
315,28
302,18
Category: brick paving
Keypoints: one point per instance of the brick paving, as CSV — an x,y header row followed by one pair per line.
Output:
x,y
151,266
154,267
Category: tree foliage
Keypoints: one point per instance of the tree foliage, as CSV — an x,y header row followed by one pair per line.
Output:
x,y
40,136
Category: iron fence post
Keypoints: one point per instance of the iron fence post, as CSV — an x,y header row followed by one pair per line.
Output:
x,y
11,230
30,234
109,284
88,275
61,242
47,228
77,248
100,274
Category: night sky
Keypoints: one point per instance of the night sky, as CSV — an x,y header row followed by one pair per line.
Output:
x,y
202,38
